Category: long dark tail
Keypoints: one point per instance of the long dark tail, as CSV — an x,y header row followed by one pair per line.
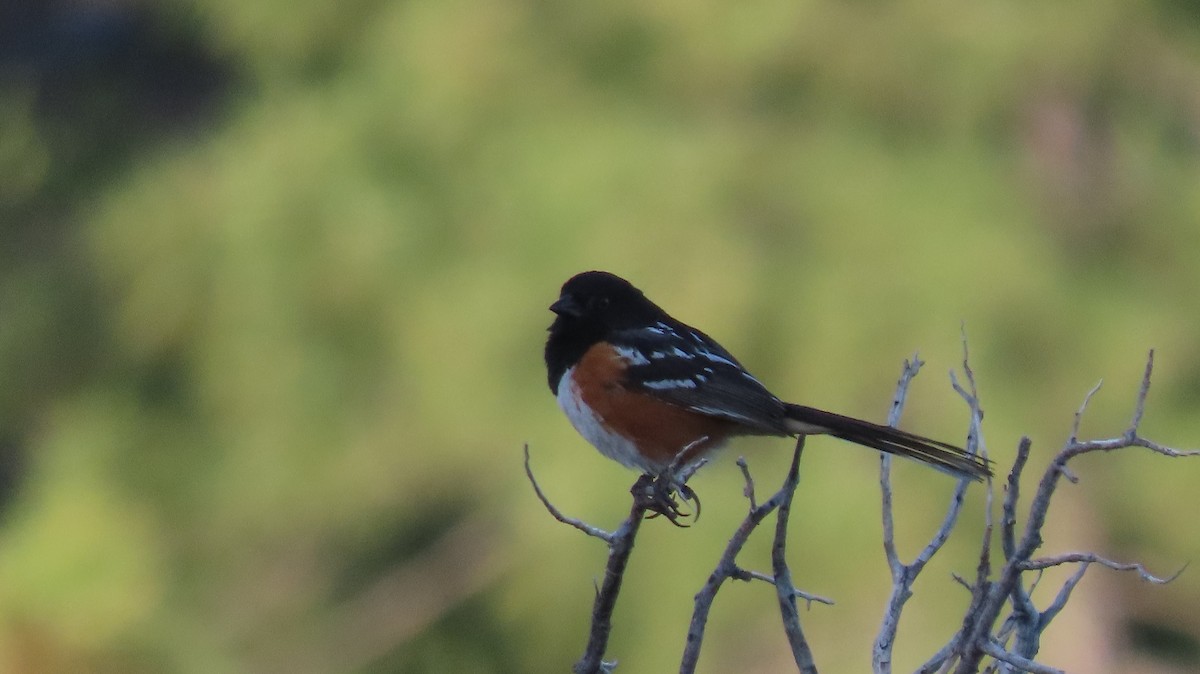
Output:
x,y
943,456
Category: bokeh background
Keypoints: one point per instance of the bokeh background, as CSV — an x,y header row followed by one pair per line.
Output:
x,y
273,289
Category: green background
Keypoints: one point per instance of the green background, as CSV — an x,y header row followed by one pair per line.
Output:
x,y
273,290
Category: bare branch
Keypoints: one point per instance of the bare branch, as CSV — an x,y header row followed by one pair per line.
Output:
x,y
1022,664
727,568
1164,450
911,368
977,641
1083,408
1008,525
596,532
683,472
1063,596
889,519
904,575
1093,558
704,600
620,547
785,591
885,639
1139,409
808,597
748,492
940,660
962,581
1024,619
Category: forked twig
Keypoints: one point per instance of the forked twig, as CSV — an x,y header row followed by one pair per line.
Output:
x,y
728,568
904,575
1027,621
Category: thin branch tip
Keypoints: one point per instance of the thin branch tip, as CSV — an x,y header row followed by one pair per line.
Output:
x,y
1139,408
1087,399
1085,558
590,530
748,489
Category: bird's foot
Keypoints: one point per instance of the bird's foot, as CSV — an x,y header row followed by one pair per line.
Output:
x,y
659,498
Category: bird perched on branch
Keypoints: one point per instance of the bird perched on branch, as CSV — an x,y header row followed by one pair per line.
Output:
x,y
652,392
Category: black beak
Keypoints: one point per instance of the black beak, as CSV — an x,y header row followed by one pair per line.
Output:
x,y
566,305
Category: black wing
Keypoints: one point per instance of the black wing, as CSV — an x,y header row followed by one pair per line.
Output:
x,y
685,367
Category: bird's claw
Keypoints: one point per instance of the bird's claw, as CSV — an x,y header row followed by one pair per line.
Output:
x,y
659,498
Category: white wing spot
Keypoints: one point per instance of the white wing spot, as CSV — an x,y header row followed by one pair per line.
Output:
x,y
716,358
751,377
675,352
632,356
720,412
666,384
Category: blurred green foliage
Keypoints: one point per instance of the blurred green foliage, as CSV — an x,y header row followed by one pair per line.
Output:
x,y
273,280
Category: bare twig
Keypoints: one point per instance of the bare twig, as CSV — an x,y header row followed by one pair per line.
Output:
x,y
620,546
1008,526
1082,408
939,661
726,568
1064,595
1024,619
727,565
808,597
904,575
911,368
1093,558
1021,664
1139,408
748,492
784,590
648,496
977,641
884,641
596,532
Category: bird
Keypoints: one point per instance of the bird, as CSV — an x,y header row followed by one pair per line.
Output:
x,y
654,394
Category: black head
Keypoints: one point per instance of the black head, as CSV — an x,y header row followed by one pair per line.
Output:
x,y
601,297
589,307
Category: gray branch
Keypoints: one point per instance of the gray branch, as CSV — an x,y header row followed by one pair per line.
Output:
x,y
904,575
1092,558
785,591
595,532
620,547
1017,662
1025,620
727,568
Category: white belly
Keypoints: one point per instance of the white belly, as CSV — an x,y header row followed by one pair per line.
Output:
x,y
592,428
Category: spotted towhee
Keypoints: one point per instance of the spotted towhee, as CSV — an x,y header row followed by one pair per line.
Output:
x,y
646,389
